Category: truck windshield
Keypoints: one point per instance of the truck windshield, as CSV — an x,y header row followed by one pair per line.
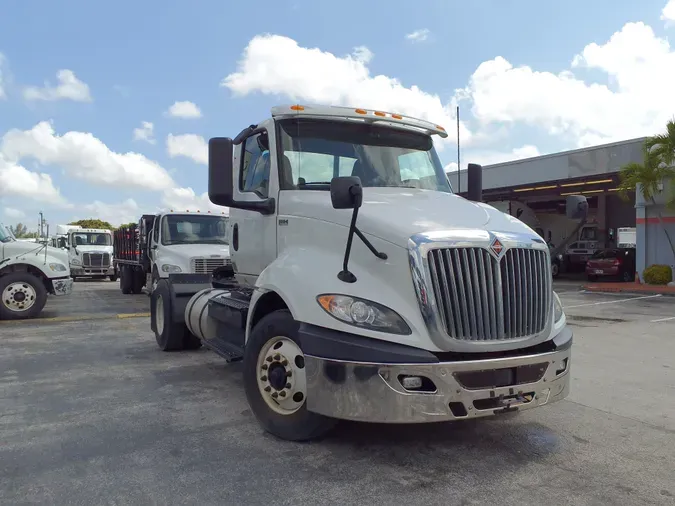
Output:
x,y
314,151
91,239
6,234
194,229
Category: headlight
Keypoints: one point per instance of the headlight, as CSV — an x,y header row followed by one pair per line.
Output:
x,y
76,261
171,268
58,267
557,308
363,313
559,256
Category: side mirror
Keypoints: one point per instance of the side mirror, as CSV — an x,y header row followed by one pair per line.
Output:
x,y
474,176
576,207
346,192
220,171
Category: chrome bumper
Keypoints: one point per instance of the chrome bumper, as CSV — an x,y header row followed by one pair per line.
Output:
x,y
92,271
62,286
373,392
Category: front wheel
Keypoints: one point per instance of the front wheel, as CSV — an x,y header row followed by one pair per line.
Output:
x,y
23,296
275,380
555,269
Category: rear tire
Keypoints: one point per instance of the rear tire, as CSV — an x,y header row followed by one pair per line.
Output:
x,y
169,335
275,337
138,281
22,296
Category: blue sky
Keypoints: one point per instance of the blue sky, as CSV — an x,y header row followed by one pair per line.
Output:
x,y
136,59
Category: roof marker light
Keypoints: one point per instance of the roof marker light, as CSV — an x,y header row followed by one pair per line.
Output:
x,y
360,111
297,108
397,116
378,113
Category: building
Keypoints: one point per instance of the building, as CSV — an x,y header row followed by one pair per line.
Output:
x,y
541,184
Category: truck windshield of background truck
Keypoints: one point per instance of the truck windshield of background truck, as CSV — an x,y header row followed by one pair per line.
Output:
x,y
193,229
315,151
6,234
91,239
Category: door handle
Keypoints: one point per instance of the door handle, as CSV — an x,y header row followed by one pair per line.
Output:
x,y
235,237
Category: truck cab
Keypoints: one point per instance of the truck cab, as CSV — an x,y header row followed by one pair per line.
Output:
x,y
362,286
90,253
29,272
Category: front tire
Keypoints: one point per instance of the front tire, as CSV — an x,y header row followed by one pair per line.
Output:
x,y
22,296
275,380
169,335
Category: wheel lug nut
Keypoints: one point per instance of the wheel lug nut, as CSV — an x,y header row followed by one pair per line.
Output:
x,y
263,378
284,362
275,395
288,385
289,374
282,394
264,367
269,359
277,356
268,388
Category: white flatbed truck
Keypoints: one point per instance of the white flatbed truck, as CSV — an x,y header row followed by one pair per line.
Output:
x,y
361,287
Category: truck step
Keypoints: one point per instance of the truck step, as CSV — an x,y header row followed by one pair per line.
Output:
x,y
231,300
229,351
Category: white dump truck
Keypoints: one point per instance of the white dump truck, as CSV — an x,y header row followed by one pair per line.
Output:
x,y
361,287
29,272
170,242
90,251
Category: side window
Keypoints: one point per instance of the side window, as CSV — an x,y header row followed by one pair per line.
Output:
x,y
255,169
155,230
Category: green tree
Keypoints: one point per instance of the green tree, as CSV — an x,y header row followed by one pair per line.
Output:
x,y
652,174
93,223
20,231
663,145
132,224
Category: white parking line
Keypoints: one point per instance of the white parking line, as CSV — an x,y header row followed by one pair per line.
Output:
x,y
663,319
613,301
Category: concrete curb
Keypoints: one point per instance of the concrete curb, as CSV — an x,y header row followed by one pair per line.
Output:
x,y
627,291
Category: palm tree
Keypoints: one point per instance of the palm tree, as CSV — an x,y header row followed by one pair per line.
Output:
x,y
652,173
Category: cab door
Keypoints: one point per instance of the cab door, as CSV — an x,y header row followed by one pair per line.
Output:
x,y
253,239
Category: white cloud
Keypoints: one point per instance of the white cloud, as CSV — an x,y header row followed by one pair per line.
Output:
x,y
115,214
640,67
184,110
16,214
188,145
418,35
18,181
85,157
69,87
180,199
668,13
3,93
145,132
277,65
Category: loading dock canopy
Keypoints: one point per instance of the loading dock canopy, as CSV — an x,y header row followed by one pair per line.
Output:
x,y
593,169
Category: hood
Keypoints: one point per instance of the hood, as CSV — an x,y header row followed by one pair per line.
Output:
x,y
395,214
16,248
199,250
91,248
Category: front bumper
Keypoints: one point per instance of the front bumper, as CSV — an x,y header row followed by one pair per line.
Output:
x,y
373,392
92,271
62,286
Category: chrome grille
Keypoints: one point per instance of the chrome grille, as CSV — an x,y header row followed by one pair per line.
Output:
x,y
480,298
96,259
208,265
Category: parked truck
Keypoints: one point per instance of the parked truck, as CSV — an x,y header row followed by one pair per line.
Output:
x,y
90,251
29,272
361,286
170,242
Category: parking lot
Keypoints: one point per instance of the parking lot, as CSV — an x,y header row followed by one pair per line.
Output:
x,y
93,413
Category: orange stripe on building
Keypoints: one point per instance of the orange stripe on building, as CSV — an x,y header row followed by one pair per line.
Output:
x,y
654,221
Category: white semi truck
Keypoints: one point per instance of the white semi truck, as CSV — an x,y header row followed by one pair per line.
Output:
x,y
90,251
362,287
29,272
170,242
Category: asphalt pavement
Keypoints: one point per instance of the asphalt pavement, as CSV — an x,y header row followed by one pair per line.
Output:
x,y
91,412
